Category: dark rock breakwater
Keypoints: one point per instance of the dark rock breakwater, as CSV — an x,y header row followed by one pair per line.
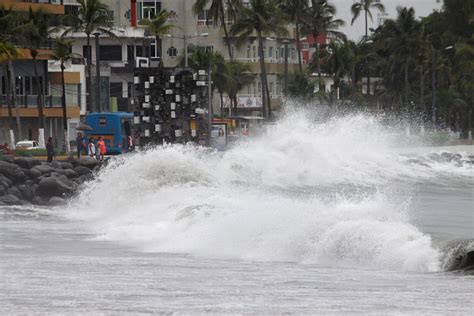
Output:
x,y
26,180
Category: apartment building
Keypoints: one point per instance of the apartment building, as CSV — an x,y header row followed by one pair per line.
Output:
x,y
50,84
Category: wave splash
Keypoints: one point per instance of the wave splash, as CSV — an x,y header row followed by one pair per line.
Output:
x,y
330,193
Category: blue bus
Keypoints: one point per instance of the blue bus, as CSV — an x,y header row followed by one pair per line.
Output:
x,y
114,127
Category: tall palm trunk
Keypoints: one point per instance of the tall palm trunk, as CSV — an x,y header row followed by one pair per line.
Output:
x,y
422,91
367,63
14,103
354,85
39,98
63,103
263,73
89,74
226,32
406,85
11,120
318,64
298,44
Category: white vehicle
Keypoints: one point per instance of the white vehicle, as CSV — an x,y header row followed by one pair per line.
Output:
x,y
27,144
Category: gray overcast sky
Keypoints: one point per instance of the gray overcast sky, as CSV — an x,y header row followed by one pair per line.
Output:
x,y
356,31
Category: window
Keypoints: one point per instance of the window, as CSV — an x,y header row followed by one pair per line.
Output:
x,y
153,52
149,10
271,87
248,52
277,53
254,51
28,85
259,87
204,18
270,52
130,52
110,13
110,52
116,89
3,89
86,52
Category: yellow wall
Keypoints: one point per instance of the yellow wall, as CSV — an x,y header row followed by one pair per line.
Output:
x,y
72,112
24,6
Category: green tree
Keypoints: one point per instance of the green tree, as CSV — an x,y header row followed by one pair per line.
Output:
x,y
217,11
262,17
62,52
34,32
159,27
92,17
300,86
366,6
399,38
319,19
294,11
237,76
8,52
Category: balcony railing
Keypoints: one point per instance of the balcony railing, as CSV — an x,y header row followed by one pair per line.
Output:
x,y
31,101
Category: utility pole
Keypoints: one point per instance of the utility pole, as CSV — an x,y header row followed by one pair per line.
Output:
x,y
97,76
209,106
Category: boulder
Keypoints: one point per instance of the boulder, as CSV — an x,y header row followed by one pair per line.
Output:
x,y
10,199
56,201
7,158
26,192
81,170
16,192
5,181
68,173
3,190
27,163
56,165
38,200
33,173
88,162
66,165
12,172
55,186
43,169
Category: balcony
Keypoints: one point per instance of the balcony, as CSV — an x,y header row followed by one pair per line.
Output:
x,y
51,6
273,65
28,106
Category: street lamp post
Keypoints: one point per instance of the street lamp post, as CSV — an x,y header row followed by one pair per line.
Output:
x,y
97,76
185,39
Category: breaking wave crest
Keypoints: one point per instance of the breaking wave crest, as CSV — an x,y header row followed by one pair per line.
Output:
x,y
331,193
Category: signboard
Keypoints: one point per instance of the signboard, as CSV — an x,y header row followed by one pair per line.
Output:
x,y
219,136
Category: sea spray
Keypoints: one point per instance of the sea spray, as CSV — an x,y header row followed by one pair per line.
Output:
x,y
330,193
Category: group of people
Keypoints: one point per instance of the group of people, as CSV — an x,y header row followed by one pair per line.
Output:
x,y
95,149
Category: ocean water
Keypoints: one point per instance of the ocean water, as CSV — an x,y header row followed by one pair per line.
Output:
x,y
314,217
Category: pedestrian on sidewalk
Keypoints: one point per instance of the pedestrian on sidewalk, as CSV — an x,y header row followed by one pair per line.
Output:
x,y
100,148
80,143
50,149
91,147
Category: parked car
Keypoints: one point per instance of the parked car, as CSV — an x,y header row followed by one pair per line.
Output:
x,y
27,144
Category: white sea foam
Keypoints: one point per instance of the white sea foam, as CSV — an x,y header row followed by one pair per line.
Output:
x,y
332,193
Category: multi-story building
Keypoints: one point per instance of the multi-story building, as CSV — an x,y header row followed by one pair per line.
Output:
x,y
117,55
50,84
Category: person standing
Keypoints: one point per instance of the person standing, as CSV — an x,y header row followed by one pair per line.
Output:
x,y
80,143
91,147
50,149
101,147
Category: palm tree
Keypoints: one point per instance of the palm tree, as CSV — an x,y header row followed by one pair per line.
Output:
x,y
62,53
238,76
340,61
158,27
9,52
366,5
34,32
217,11
92,17
262,17
294,10
319,19
401,40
